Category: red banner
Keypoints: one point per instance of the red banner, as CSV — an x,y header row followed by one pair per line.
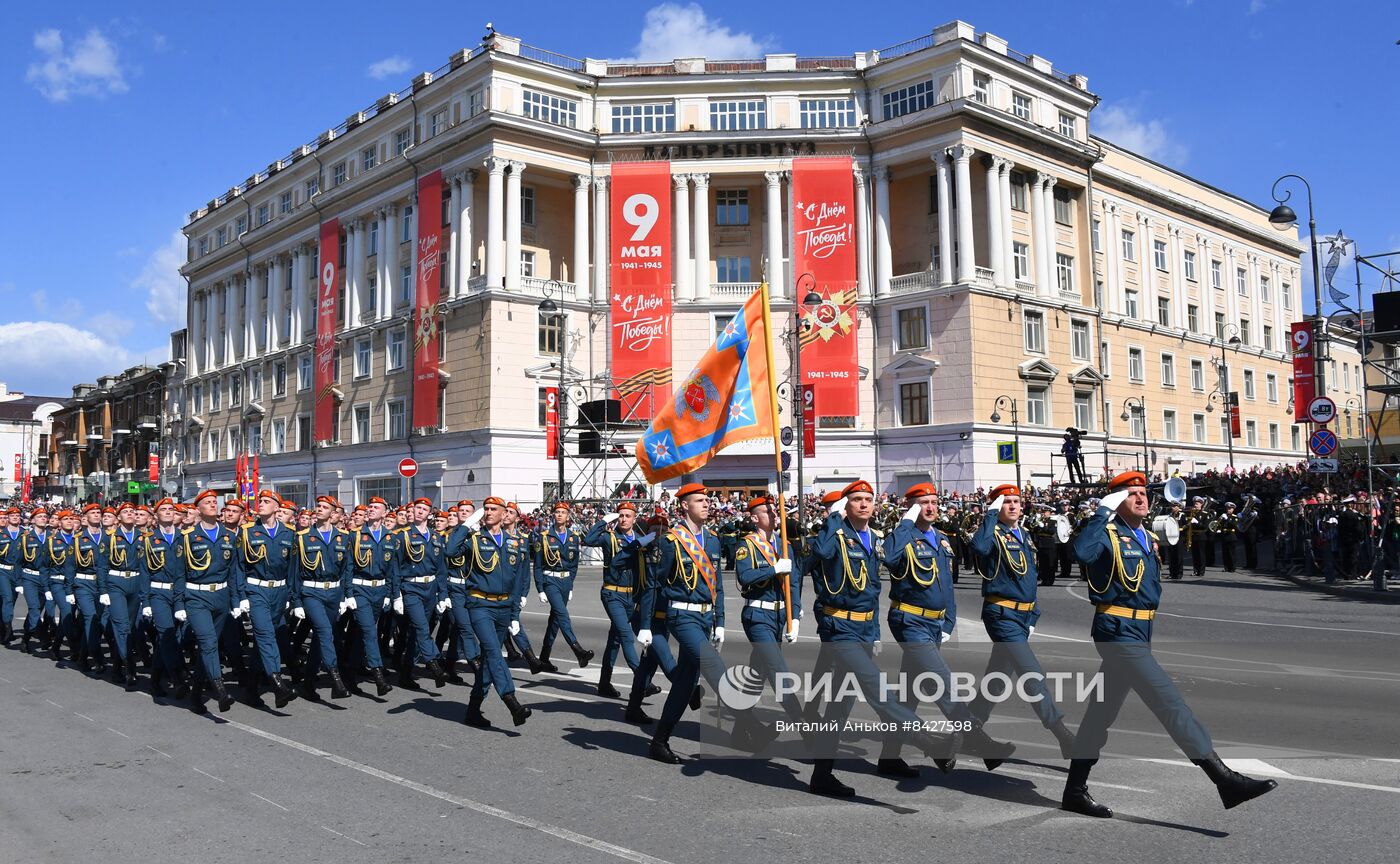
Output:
x,y
19,467
1300,338
327,297
809,421
28,487
1234,414
428,310
551,423
153,465
824,259
640,226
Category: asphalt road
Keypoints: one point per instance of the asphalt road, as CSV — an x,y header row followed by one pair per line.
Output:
x,y
1294,685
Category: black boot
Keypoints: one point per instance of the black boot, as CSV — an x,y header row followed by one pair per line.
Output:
x,y
896,767
381,684
1234,787
1065,737
183,688
993,752
474,717
512,652
221,693
653,689
750,733
942,750
1077,798
282,692
406,680
24,642
536,664
582,654
338,688
518,713
605,685
695,696
660,748
634,713
439,674
824,781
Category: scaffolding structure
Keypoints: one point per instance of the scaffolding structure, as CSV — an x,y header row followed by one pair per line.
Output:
x,y
598,448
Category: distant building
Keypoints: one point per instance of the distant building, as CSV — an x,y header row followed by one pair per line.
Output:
x,y
24,437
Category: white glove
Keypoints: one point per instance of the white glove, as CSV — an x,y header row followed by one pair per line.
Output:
x,y
912,514
515,628
71,599
877,647
48,595
1113,499
475,519
1032,629
58,618
104,599
340,610
147,612
571,595
299,613
444,604
718,638
351,603
236,612
791,634
181,615
995,506
644,638
523,601
544,598
838,508
398,605
19,590
782,565
611,517
245,605
385,604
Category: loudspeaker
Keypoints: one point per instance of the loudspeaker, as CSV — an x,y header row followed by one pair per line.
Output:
x,y
1386,317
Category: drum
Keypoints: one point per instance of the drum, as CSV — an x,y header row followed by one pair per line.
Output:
x,y
1062,528
1167,529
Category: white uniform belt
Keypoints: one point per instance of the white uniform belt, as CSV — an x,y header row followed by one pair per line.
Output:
x,y
165,586
691,607
212,586
124,574
28,572
769,605
267,583
455,581
559,574
369,583
86,577
322,586
421,579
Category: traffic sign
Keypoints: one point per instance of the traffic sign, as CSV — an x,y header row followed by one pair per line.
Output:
x,y
1006,452
1323,442
1322,466
407,467
1322,410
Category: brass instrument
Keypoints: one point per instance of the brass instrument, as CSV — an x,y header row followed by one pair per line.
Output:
x,y
968,526
1249,513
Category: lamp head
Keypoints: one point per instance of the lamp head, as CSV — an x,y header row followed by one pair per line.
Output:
x,y
548,305
996,417
1283,216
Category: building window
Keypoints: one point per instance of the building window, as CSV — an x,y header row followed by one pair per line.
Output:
x,y
360,430
1244,331
1095,243
1249,383
405,284
551,333
1159,254
1129,253
1241,281
255,444
1021,258
1220,326
828,113
913,327
1084,410
476,101
736,115
906,100
220,238
1268,338
1064,272
216,395
913,403
1038,406
284,204
388,488
264,214
1225,429
1251,433
981,87
279,378
1135,371
255,382
527,264
550,108
732,268
1264,289
406,225
1215,274
1273,435
369,157
1135,420
1018,191
313,187
1169,424
1064,206
279,435
394,427
394,350
214,454
373,240
437,123
731,207
1130,303
304,374
648,117
1271,387
197,399
339,171
363,357
402,139
1295,438
1068,126
1164,311
1021,105
1168,370
304,432
1034,331
1193,318
1198,376
1079,340
1287,292
1198,428
203,246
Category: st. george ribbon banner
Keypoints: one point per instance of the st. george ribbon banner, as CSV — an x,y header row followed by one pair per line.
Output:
x,y
427,292
1301,343
327,297
824,261
640,228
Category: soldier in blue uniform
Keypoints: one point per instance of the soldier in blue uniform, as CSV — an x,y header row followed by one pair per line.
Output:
x,y
419,578
371,560
624,570
32,580
1005,557
265,548
1125,587
120,587
519,642
554,556
923,611
10,586
655,651
159,603
206,582
320,578
56,565
464,645
87,560
493,562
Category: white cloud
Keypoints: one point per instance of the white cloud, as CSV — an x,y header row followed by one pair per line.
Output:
x,y
162,283
1123,125
672,30
387,67
49,357
89,68
1256,6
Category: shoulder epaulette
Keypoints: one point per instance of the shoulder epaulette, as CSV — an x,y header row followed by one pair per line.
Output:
x,y
187,529
302,532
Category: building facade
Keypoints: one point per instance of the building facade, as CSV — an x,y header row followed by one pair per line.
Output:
x,y
25,426
1003,251
104,436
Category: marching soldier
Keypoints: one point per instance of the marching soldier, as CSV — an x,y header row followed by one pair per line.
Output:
x,y
555,559
1064,535
320,579
624,570
519,643
656,653
768,582
32,580
1125,588
159,603
265,548
55,564
206,580
371,563
1173,550
493,562
120,589
9,573
87,560
418,586
1197,540
1229,526
1009,608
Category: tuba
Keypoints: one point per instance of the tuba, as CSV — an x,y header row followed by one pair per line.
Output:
x,y
1249,513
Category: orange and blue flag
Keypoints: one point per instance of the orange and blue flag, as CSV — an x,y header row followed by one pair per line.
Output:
x,y
727,398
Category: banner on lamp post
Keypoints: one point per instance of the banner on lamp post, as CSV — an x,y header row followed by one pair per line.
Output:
x,y
153,464
1234,399
19,467
327,300
824,262
809,421
1300,340
551,422
427,306
640,228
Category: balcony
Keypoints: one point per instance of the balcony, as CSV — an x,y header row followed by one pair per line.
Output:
x,y
924,280
733,289
148,422
94,433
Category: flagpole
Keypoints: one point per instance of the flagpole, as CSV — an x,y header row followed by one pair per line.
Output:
x,y
777,447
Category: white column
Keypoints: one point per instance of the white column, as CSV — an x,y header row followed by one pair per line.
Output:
x,y
193,348
1038,232
466,241
967,254
454,235
231,292
601,279
994,222
1047,202
213,306
945,219
512,258
862,235
681,265
882,232
1146,296
300,257
495,227
1112,264
701,224
1179,290
579,266
1232,291
257,314
358,266
1008,259
1280,323
773,231
1203,283
389,253
352,288
274,302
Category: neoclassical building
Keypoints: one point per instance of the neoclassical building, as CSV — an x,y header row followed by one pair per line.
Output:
x,y
1003,251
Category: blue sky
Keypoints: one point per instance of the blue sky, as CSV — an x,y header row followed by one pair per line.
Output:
x,y
122,124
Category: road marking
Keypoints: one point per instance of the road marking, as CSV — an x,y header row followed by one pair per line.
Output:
x,y
1042,776
27,690
6,680
53,703
123,734
206,774
485,809
161,752
1349,784
85,717
270,801
1161,614
346,836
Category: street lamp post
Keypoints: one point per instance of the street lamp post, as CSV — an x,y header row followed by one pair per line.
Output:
x,y
1140,405
551,289
1222,391
1282,216
799,412
1015,429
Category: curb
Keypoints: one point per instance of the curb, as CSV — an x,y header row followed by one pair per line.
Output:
x,y
1358,593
